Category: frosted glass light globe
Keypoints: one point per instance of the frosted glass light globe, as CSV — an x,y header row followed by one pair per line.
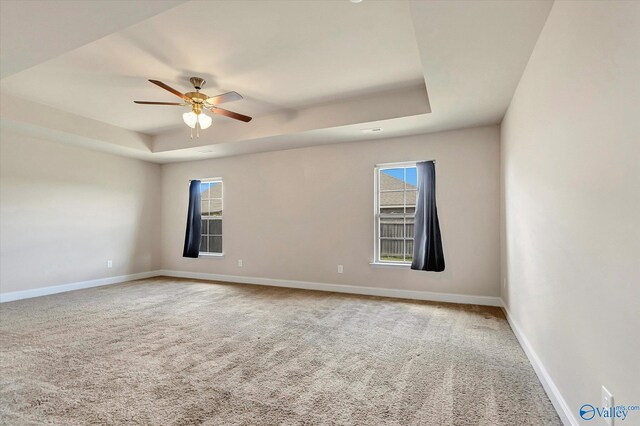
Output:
x,y
190,119
204,121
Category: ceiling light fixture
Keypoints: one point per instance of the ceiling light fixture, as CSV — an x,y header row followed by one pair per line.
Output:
x,y
194,120
204,121
190,119
198,101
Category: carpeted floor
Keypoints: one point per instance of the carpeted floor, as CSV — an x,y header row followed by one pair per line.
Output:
x,y
182,352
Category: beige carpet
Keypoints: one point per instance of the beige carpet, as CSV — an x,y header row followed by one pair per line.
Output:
x,y
181,352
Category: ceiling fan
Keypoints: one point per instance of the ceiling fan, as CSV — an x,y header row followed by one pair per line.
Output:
x,y
198,101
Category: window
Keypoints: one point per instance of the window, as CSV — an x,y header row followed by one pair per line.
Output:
x,y
395,206
211,199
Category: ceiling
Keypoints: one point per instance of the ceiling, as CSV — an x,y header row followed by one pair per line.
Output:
x,y
34,31
311,72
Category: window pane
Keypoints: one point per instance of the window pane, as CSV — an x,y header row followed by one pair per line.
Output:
x,y
206,211
411,198
215,190
215,244
392,179
392,202
411,179
211,205
391,227
391,250
216,207
409,227
392,210
204,190
397,196
215,227
409,250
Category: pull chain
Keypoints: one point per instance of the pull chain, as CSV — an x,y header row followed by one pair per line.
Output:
x,y
197,131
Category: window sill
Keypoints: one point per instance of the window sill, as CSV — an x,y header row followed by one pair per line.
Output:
x,y
211,255
390,265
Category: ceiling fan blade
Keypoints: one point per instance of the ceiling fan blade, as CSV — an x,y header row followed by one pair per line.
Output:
x,y
225,97
231,114
171,89
159,103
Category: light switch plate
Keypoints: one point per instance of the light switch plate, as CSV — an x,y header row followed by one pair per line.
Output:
x,y
607,404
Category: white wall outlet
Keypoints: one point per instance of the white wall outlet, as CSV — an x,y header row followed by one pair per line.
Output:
x,y
608,406
240,263
340,269
109,263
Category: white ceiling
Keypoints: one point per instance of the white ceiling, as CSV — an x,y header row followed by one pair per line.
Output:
x,y
305,68
278,55
473,55
34,31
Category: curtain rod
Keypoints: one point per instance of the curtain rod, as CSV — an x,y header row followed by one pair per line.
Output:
x,y
402,163
206,179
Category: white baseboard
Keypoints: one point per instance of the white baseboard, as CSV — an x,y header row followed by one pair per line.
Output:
x,y
559,403
307,285
43,291
341,288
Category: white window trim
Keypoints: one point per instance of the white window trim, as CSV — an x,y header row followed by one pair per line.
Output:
x,y
377,262
392,265
213,255
207,253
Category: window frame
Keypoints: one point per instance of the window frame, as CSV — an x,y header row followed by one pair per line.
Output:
x,y
377,215
220,218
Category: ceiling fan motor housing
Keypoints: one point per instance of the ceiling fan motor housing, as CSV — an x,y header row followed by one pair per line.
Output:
x,y
197,97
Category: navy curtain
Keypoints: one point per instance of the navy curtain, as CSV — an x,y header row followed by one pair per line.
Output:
x,y
194,222
427,242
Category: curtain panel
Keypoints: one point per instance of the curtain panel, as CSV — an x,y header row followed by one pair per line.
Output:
x,y
427,246
194,222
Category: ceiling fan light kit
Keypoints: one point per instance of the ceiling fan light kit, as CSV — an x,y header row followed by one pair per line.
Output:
x,y
198,101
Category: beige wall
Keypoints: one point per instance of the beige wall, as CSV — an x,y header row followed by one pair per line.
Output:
x,y
571,177
66,210
297,214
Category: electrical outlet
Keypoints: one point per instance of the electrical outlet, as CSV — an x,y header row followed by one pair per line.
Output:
x,y
340,269
109,263
240,263
608,406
